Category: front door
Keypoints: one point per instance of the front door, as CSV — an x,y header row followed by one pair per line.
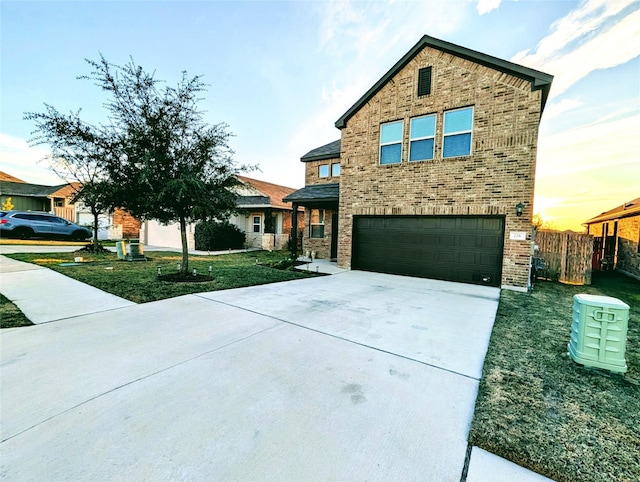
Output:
x,y
334,236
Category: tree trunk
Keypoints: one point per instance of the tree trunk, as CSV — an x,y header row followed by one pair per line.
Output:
x,y
95,229
185,246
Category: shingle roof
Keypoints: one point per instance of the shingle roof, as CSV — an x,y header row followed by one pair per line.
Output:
x,y
316,193
28,190
539,80
631,208
273,193
328,151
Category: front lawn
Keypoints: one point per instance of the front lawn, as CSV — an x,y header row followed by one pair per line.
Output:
x,y
10,314
138,281
539,409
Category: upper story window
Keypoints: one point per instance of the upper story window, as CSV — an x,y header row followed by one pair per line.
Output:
x,y
323,170
424,81
458,126
422,138
317,223
391,142
335,169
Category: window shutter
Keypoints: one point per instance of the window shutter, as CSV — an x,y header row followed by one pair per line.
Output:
x,y
424,81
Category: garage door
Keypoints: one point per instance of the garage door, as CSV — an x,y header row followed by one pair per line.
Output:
x,y
453,248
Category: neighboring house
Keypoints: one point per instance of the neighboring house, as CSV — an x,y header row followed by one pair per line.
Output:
x,y
262,215
617,239
118,224
36,197
57,200
434,173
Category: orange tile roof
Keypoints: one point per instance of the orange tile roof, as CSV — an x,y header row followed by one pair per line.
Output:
x,y
67,191
274,192
8,177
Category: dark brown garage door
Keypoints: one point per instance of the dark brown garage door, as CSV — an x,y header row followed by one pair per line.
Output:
x,y
453,248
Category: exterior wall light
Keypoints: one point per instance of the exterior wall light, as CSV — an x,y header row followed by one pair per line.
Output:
x,y
519,209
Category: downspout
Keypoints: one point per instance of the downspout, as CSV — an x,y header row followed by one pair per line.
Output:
x,y
294,232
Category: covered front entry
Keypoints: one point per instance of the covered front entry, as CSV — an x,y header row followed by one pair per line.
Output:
x,y
468,249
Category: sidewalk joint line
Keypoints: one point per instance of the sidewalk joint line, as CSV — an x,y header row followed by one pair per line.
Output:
x,y
131,382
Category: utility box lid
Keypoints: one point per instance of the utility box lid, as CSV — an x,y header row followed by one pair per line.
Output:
x,y
598,300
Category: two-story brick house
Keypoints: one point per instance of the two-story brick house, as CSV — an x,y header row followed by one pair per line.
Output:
x,y
434,173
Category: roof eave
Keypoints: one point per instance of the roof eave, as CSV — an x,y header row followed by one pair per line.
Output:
x,y
612,216
320,157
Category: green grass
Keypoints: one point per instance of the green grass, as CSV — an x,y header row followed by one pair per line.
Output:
x,y
10,315
540,409
138,281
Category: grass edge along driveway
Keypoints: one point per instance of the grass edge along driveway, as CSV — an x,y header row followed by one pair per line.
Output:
x,y
138,281
540,409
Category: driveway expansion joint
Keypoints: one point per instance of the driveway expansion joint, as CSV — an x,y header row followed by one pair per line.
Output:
x,y
453,372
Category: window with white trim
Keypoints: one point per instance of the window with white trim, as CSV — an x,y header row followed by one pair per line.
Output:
x,y
458,127
257,224
391,142
323,170
422,137
317,223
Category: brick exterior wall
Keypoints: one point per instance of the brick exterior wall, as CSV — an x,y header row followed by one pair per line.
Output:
x,y
628,258
322,247
628,238
311,172
498,174
130,225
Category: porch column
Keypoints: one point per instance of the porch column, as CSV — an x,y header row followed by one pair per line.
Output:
x,y
294,232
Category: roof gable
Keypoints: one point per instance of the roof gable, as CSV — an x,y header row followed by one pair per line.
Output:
x,y
539,80
270,193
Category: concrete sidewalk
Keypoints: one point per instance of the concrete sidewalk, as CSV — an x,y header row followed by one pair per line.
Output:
x,y
359,376
44,295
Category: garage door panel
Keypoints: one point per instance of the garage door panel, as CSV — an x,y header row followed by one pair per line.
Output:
x,y
456,248
469,223
468,240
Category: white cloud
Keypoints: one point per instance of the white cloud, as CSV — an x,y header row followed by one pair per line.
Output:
x,y
20,160
600,34
359,42
556,108
486,6
588,169
603,144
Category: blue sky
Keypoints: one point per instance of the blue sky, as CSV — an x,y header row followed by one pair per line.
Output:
x,y
281,74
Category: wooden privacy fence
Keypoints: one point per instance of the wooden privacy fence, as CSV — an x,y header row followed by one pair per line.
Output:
x,y
67,213
567,256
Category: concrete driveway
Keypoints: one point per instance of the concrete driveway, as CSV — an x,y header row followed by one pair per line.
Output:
x,y
356,376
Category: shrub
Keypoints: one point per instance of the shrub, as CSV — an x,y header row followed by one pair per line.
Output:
x,y
211,235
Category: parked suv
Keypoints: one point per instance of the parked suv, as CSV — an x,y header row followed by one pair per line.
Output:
x,y
31,224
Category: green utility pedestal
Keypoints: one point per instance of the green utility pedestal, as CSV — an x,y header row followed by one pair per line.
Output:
x,y
599,332
136,252
121,249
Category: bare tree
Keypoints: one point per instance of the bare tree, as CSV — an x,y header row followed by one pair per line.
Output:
x,y
78,156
